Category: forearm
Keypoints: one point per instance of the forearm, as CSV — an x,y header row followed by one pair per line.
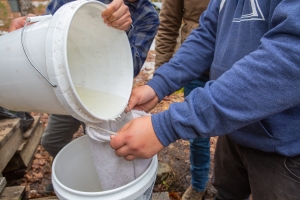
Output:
x,y
193,59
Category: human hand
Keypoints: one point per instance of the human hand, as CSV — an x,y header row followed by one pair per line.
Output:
x,y
142,98
117,15
136,139
18,22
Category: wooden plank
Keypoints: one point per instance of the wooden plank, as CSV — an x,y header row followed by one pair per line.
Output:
x,y
2,183
11,145
27,150
13,193
31,130
7,129
47,198
24,155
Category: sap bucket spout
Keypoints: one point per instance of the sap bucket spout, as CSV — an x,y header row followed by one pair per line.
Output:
x,y
70,63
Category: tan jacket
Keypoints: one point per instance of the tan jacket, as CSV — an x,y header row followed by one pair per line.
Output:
x,y
172,14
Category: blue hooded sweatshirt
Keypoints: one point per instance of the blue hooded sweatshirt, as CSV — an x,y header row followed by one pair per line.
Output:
x,y
252,48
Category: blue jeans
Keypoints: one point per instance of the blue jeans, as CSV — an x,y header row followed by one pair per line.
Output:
x,y
199,150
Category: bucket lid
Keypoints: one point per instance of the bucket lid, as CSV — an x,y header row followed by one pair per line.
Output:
x,y
90,62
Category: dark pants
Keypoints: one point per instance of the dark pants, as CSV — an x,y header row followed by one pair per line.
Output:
x,y
59,132
241,171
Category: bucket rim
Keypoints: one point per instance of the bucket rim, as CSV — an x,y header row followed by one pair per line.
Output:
x,y
77,109
152,164
65,54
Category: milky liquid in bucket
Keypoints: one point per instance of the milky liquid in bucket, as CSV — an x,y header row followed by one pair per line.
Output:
x,y
100,103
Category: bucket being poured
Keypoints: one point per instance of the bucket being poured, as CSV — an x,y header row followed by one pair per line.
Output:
x,y
70,63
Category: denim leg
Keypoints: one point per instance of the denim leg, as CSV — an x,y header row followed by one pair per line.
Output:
x,y
199,150
192,85
200,162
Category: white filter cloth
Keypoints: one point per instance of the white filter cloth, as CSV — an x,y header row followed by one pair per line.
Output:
x,y
114,171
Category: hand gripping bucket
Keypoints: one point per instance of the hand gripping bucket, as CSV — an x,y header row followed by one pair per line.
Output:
x,y
70,63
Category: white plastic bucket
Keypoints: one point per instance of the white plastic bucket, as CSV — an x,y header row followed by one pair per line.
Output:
x,y
89,62
74,176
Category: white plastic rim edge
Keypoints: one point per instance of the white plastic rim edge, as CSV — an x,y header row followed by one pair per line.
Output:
x,y
56,55
138,184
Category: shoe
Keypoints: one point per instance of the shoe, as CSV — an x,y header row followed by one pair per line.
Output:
x,y
192,194
49,189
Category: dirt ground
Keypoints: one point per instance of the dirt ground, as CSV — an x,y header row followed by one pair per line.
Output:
x,y
175,155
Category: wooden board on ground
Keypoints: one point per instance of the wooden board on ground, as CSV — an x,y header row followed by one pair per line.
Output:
x,y
2,183
13,193
7,128
47,198
28,147
26,150
10,140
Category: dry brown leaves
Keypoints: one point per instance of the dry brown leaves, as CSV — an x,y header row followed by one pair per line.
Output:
x,y
39,175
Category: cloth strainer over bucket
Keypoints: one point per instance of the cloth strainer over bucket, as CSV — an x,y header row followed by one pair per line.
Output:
x,y
113,171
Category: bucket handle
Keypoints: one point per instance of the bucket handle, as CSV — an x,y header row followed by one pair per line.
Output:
x,y
31,20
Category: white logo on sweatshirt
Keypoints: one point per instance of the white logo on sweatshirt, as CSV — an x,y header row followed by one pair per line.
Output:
x,y
255,13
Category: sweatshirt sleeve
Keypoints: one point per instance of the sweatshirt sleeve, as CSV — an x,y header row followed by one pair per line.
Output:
x,y
261,84
192,59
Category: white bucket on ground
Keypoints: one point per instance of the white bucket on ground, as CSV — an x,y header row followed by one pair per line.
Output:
x,y
77,178
90,63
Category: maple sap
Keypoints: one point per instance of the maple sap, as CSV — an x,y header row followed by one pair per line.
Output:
x,y
101,103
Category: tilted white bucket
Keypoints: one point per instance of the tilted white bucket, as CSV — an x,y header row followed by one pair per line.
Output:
x,y
75,177
89,62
